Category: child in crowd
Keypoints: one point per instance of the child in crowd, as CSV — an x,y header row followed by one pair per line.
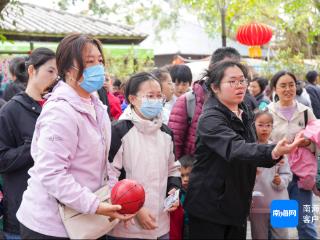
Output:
x,y
109,99
142,150
272,183
117,91
179,222
167,90
182,77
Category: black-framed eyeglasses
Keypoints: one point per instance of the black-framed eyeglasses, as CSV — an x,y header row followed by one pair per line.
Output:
x,y
236,83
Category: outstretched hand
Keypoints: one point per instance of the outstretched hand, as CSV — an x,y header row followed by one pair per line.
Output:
x,y
284,147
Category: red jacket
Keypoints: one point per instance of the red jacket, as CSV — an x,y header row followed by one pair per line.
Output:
x,y
185,133
176,224
114,104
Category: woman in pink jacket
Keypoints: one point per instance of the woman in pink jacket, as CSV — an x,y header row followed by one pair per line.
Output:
x,y
69,146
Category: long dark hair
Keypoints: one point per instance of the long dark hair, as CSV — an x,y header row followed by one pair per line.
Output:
x,y
17,68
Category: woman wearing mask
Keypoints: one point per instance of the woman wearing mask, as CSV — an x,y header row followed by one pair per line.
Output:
x,y
71,139
17,121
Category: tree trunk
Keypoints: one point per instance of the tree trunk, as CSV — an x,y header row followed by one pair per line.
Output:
x,y
223,26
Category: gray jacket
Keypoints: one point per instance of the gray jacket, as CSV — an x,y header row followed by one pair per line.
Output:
x,y
270,190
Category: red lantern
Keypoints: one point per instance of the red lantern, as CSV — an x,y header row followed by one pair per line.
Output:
x,y
254,35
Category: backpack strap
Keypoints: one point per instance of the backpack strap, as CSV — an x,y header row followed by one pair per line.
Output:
x,y
191,105
305,117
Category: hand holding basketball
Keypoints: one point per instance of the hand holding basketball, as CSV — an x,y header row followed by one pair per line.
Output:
x,y
109,210
129,194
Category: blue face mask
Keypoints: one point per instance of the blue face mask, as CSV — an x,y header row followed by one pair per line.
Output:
x,y
93,78
151,108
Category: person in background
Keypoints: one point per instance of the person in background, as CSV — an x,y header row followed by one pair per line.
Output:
x,y
124,103
117,90
314,92
18,76
272,183
17,123
70,145
289,118
302,95
108,99
182,122
167,90
179,221
182,78
256,88
116,85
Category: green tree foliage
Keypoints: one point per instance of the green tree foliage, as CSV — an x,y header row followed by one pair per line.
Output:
x,y
131,12
296,23
122,66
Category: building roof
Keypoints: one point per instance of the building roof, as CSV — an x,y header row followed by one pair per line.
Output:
x,y
189,38
28,22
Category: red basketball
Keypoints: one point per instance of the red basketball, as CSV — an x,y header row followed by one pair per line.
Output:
x,y
129,194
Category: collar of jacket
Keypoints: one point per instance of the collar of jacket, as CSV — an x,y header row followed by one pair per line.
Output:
x,y
274,106
260,96
27,102
63,92
214,103
144,126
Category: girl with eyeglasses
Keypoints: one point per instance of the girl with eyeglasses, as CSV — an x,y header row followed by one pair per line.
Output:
x,y
290,117
227,156
271,182
142,150
17,123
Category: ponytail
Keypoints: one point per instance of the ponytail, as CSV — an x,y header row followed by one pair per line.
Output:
x,y
17,68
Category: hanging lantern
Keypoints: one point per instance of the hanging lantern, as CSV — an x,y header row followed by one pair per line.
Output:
x,y
254,35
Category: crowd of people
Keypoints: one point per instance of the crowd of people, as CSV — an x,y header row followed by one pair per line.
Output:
x,y
68,128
